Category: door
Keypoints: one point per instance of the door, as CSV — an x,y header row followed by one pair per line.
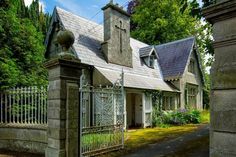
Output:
x,y
138,109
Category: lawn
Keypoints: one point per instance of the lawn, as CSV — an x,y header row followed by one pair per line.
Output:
x,y
135,139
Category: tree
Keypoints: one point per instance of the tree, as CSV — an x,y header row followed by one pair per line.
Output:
x,y
206,3
162,21
21,50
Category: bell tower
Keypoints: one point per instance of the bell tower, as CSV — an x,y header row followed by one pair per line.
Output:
x,y
116,45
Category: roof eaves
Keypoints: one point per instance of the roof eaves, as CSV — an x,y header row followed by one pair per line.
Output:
x,y
200,65
189,55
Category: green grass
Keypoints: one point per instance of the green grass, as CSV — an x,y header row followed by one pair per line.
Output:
x,y
101,140
136,139
205,116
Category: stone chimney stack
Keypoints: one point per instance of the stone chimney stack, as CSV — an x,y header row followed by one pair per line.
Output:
x,y
116,45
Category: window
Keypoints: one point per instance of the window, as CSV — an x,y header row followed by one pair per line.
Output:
x,y
148,103
168,103
192,96
191,66
152,61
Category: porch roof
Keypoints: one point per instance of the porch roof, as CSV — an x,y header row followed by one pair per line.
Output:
x,y
136,81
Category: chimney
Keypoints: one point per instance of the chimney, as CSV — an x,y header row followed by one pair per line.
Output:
x,y
116,45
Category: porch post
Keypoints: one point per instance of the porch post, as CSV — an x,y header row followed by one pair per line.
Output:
x,y
223,101
143,109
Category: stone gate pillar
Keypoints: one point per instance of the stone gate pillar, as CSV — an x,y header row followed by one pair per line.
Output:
x,y
63,100
63,108
223,96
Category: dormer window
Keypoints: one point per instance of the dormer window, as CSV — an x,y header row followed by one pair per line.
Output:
x,y
191,66
152,61
149,56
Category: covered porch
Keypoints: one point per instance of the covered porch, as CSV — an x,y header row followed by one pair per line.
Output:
x,y
138,109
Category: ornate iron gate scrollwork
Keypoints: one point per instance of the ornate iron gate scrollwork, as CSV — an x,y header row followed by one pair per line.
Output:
x,y
101,117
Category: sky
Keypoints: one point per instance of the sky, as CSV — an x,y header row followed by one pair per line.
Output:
x,y
84,8
90,9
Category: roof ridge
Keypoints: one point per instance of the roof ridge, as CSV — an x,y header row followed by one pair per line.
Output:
x,y
83,18
176,41
87,20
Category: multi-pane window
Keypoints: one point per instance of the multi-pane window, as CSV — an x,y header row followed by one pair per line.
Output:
x,y
168,103
192,96
191,66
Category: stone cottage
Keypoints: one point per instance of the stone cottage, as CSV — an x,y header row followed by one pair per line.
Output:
x,y
172,68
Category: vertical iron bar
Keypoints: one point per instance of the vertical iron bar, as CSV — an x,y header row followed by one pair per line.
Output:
x,y
17,105
44,112
5,107
1,109
10,106
14,101
25,94
45,105
21,104
80,112
35,105
32,105
40,108
28,105
123,105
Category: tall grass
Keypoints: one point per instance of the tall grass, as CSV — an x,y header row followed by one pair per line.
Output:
x,y
205,116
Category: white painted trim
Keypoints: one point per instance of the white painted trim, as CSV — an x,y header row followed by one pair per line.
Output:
x,y
125,111
143,110
136,91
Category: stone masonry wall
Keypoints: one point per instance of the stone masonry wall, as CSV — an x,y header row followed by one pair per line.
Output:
x,y
23,139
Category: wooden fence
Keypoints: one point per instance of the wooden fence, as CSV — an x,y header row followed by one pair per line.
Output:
x,y
25,105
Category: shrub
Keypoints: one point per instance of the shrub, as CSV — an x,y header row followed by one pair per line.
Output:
x,y
179,117
205,116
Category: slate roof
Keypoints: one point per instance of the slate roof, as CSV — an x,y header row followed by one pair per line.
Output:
x,y
146,51
173,57
87,47
135,80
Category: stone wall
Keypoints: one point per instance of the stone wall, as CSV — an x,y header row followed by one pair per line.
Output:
x,y
23,138
189,78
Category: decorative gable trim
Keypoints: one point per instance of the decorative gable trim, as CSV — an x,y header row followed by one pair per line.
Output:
x,y
55,23
149,55
147,51
198,58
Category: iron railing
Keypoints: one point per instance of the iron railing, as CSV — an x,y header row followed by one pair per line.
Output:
x,y
25,105
101,117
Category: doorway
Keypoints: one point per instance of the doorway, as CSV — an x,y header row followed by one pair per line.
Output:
x,y
134,107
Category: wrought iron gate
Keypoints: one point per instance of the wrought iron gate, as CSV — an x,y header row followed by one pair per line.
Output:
x,y
101,118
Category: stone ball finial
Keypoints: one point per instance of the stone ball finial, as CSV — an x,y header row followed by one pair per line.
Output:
x,y
66,39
